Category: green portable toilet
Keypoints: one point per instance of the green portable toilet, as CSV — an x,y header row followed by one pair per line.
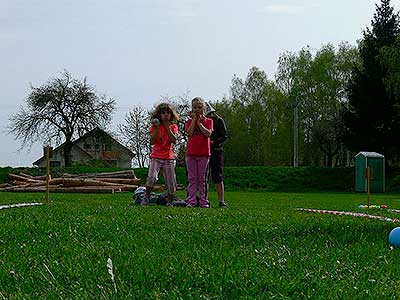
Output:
x,y
376,162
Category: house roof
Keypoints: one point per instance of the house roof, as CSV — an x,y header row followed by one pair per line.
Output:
x,y
370,154
92,132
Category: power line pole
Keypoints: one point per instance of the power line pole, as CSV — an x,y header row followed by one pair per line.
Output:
x,y
296,134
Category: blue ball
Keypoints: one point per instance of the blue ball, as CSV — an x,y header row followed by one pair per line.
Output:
x,y
394,237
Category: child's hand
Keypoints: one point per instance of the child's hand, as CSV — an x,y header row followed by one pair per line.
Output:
x,y
201,118
192,114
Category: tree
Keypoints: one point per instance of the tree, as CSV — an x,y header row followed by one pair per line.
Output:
x,y
62,109
135,131
390,59
316,84
182,105
326,135
135,134
254,116
371,116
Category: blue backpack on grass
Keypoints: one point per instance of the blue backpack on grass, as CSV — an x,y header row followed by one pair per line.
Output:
x,y
155,198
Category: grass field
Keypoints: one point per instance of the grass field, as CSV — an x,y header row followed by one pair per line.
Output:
x,y
259,248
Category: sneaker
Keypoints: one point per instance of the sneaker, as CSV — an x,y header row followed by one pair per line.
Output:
x,y
205,206
177,203
222,204
145,201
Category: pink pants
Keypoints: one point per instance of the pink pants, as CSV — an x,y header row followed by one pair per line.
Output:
x,y
168,168
197,167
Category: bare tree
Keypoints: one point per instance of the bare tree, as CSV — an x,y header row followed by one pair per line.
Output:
x,y
182,105
62,109
135,131
135,134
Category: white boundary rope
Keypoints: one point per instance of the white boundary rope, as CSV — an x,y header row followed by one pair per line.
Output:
x,y
19,205
348,213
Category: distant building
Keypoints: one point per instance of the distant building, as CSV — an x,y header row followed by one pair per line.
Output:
x,y
94,145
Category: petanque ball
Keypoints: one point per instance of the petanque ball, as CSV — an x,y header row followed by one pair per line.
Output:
x,y
394,237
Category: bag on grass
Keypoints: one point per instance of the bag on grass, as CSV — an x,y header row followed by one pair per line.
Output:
x,y
155,198
139,195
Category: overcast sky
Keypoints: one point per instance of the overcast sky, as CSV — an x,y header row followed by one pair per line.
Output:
x,y
136,51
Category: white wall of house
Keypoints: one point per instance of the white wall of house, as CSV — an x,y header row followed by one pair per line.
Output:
x,y
94,148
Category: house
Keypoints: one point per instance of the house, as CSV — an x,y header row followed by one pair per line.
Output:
x,y
94,145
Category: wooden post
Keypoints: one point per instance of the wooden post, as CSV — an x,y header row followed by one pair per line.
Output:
x,y
369,185
296,135
47,173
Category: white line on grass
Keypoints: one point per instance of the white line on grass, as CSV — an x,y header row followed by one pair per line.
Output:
x,y
348,213
19,205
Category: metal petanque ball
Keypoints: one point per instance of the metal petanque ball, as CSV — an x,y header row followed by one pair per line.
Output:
x,y
394,237
156,121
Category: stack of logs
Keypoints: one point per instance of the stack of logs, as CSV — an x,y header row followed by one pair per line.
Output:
x,y
109,182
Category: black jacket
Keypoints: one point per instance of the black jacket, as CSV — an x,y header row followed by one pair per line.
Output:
x,y
219,134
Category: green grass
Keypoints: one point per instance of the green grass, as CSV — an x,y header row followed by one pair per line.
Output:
x,y
259,248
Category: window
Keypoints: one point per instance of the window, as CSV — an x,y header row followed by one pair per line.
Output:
x,y
55,163
112,163
106,147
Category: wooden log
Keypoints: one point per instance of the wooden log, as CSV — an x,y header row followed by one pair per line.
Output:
x,y
128,188
106,174
159,188
60,189
123,176
16,177
41,177
119,180
42,183
126,176
29,188
19,183
87,189
118,174
25,175
4,185
163,187
21,178
56,181
76,182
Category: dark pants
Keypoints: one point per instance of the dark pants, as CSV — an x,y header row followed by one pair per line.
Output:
x,y
215,167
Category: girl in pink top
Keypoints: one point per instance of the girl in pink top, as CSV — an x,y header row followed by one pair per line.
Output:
x,y
163,134
198,129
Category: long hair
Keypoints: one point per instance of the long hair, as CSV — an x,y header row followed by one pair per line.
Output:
x,y
201,101
156,114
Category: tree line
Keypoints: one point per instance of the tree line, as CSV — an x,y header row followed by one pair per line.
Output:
x,y
327,103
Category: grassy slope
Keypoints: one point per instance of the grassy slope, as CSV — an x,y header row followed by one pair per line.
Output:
x,y
279,179
259,248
